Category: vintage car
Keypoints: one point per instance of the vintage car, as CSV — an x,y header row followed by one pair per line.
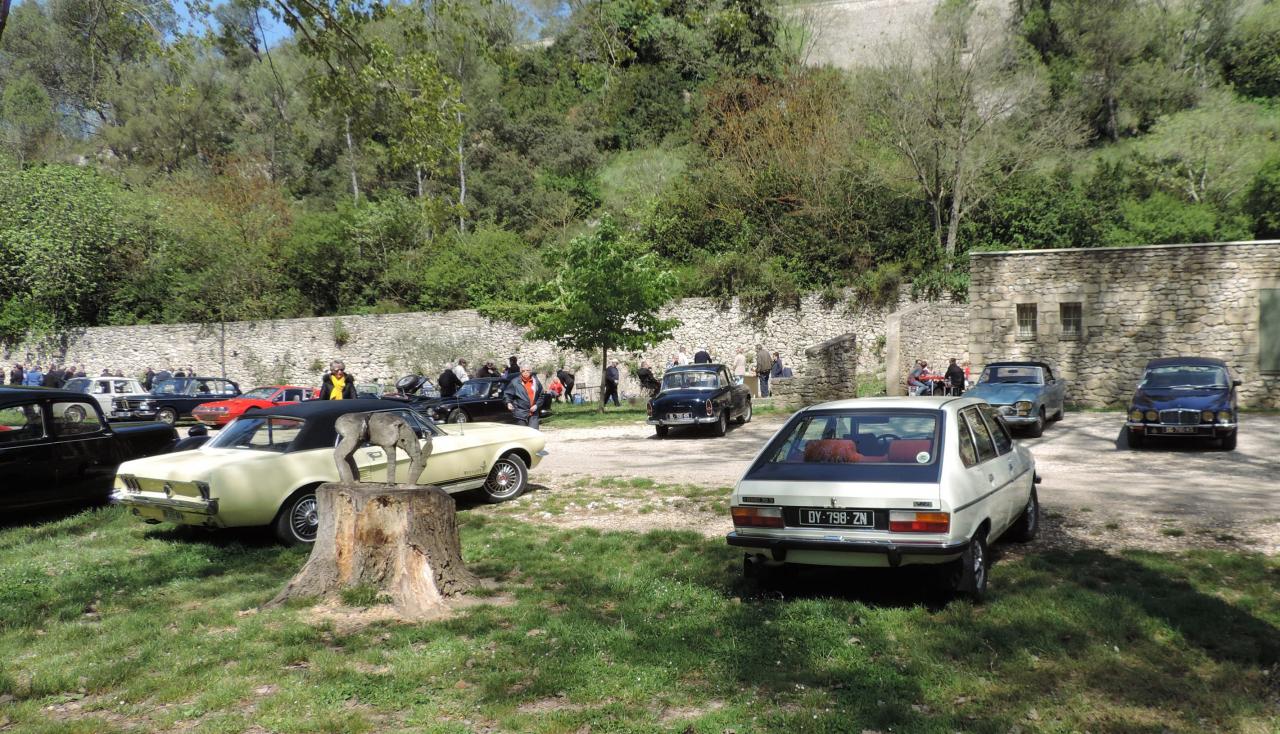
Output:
x,y
887,482
1027,394
1184,397
699,395
172,399
263,468
104,389
221,412
479,399
55,447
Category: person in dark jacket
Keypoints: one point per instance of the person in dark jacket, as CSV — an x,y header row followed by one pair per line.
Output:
x,y
448,383
487,370
513,367
611,385
764,367
702,356
148,379
16,374
54,377
523,396
647,381
337,384
955,376
566,379
776,369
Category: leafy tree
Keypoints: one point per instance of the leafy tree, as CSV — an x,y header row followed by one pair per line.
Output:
x,y
1262,202
26,117
1251,59
606,294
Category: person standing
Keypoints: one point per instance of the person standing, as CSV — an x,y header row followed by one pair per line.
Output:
x,y
164,374
337,384
54,376
460,371
739,365
554,386
647,380
524,395
611,384
955,376
17,374
702,356
448,382
566,379
148,379
513,367
80,371
764,365
34,377
682,356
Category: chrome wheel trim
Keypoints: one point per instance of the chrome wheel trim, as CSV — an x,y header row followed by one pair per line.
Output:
x,y
458,416
504,479
304,519
979,564
1032,515
167,415
747,419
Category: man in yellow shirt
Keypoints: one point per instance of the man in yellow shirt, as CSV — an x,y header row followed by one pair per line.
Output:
x,y
337,384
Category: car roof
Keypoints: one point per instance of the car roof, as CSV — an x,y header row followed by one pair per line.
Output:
x,y
694,367
1019,364
1188,361
13,393
320,415
918,403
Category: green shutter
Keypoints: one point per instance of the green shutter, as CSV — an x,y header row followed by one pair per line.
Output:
x,y
1269,329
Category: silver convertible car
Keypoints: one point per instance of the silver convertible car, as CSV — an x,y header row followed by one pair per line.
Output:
x,y
887,482
1027,394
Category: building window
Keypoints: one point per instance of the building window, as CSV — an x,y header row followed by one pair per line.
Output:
x,y
1026,320
1072,316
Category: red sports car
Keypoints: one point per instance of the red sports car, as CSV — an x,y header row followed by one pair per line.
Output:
x,y
222,412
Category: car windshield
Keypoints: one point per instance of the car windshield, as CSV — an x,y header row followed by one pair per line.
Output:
x,y
258,434
260,393
873,437
177,386
686,379
1185,376
79,384
473,389
1022,375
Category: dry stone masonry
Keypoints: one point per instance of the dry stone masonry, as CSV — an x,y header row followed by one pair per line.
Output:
x,y
830,373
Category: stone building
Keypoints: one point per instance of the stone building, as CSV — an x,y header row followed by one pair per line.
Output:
x,y
1100,314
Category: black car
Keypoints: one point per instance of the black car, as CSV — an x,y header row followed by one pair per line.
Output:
x,y
479,399
172,399
699,394
1185,397
56,447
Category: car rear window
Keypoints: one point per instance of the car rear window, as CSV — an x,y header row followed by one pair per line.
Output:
x,y
258,434
858,445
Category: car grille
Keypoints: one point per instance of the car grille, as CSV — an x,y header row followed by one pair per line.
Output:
x,y
1180,417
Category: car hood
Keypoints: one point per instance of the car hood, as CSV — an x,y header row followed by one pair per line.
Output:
x,y
192,465
1197,399
241,404
1006,393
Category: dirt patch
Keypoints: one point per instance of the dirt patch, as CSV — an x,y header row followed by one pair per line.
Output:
x,y
347,620
685,713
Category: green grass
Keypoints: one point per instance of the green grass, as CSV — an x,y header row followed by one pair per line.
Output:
x,y
107,624
588,414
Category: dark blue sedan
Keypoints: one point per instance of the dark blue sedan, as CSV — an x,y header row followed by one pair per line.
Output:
x,y
1185,397
699,394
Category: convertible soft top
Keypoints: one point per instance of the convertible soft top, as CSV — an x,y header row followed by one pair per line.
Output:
x,y
1189,361
320,415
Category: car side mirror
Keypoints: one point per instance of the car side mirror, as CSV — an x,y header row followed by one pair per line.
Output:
x,y
1236,383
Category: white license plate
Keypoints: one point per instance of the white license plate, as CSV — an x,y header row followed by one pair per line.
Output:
x,y
121,413
1180,429
839,518
172,515
681,416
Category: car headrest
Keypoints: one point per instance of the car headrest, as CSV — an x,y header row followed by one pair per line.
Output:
x,y
831,451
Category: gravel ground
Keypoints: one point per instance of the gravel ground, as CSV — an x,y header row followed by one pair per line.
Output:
x,y
1096,490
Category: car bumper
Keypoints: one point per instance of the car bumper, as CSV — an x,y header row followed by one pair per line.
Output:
x,y
691,421
218,419
1019,421
1157,430
811,550
154,507
133,415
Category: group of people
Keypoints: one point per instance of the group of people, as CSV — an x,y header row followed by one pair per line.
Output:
x,y
766,364
57,375
920,381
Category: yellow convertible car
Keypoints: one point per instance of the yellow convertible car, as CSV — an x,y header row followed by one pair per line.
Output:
x,y
264,467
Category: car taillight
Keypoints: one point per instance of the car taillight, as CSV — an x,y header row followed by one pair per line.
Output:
x,y
649,407
711,408
919,522
757,517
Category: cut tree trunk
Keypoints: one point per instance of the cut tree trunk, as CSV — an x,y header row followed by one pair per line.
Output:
x,y
399,539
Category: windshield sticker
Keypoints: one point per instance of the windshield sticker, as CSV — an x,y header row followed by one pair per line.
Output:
x,y
922,457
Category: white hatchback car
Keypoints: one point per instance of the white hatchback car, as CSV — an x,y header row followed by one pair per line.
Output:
x,y
887,482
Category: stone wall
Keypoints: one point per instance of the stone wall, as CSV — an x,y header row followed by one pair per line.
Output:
x,y
851,33
1136,303
384,347
934,332
830,373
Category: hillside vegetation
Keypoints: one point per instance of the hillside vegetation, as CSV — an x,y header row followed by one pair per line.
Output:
x,y
161,165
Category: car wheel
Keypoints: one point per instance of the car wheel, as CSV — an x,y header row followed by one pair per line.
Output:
x,y
167,415
745,417
298,519
722,425
1135,439
507,479
1059,415
969,574
1228,441
1037,428
1025,528
457,415
661,431
74,414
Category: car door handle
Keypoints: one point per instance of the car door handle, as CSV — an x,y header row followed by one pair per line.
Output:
x,y
991,478
1010,466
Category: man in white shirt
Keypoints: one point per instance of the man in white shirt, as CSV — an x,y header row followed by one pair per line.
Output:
x,y
682,356
460,370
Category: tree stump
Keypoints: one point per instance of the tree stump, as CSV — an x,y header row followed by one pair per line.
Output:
x,y
399,539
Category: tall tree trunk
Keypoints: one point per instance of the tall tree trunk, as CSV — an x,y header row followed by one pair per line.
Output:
x,y
351,161
462,177
4,15
417,172
604,366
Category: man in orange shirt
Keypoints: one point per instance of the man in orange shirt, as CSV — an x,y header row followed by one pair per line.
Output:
x,y
524,396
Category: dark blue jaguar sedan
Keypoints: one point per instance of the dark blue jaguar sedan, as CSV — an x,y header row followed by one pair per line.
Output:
x,y
1184,397
699,394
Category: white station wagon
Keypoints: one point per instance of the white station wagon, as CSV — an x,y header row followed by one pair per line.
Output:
x,y
887,482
